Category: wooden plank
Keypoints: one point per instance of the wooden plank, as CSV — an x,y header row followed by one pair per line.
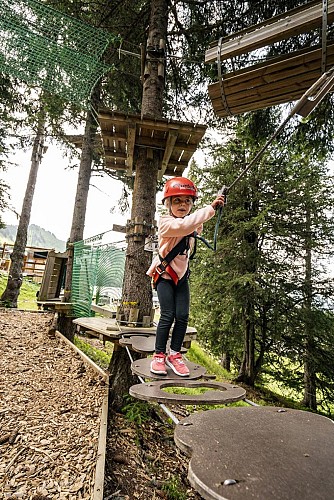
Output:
x,y
101,449
272,71
219,393
170,143
276,87
141,367
287,86
161,143
291,25
165,125
86,359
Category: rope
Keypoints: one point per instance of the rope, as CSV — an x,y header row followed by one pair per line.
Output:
x,y
324,35
220,77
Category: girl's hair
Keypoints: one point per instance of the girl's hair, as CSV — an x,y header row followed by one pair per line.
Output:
x,y
168,203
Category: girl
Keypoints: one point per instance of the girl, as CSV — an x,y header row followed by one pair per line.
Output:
x,y
171,281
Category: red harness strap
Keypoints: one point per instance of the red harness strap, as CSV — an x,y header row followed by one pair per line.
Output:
x,y
162,268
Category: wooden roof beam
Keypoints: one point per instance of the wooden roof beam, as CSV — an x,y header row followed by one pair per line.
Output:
x,y
290,25
143,141
171,140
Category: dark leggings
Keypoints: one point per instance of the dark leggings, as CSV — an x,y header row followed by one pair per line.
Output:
x,y
174,304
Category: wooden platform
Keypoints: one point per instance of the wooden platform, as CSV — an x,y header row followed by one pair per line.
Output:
x,y
259,452
291,23
277,80
141,367
122,133
222,393
108,329
144,344
56,306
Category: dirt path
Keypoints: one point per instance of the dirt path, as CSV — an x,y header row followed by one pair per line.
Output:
x,y
49,411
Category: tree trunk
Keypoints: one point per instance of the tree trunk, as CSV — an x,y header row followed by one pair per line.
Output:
x,y
247,371
226,361
309,399
65,325
136,285
120,376
15,277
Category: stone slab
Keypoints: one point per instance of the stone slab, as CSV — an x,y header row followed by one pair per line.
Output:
x,y
142,367
270,453
223,393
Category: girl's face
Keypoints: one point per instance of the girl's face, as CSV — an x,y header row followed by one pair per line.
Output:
x,y
181,205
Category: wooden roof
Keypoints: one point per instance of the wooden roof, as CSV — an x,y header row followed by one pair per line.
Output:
x,y
122,133
278,80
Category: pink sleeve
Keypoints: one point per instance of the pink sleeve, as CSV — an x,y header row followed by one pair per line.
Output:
x,y
174,226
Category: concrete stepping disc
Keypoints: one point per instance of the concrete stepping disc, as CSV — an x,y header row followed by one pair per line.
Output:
x,y
222,393
142,367
259,452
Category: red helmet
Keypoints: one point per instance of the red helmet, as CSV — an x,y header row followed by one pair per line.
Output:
x,y
179,186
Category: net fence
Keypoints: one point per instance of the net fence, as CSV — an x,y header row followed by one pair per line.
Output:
x,y
98,271
49,49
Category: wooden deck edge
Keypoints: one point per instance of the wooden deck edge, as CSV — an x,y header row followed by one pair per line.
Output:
x,y
101,450
86,359
102,443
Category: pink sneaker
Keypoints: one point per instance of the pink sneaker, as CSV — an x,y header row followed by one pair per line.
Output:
x,y
176,363
158,364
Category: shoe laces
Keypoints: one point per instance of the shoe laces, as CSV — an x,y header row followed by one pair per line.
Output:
x,y
178,358
159,359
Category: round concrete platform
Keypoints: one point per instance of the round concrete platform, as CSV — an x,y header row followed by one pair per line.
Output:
x,y
222,393
142,367
263,453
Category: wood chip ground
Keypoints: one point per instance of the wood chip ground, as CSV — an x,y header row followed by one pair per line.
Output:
x,y
50,405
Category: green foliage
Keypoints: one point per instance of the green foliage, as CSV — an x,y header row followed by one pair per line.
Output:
x,y
101,358
27,297
136,411
197,354
173,489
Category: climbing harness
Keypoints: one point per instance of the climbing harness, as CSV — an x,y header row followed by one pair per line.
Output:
x,y
164,266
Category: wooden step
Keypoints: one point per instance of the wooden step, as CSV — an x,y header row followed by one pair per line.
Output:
x,y
259,452
141,367
143,343
223,393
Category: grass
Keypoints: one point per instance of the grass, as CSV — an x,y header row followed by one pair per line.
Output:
x,y
197,355
27,297
101,358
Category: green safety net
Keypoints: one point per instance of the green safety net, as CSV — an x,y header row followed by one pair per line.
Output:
x,y
98,271
46,48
